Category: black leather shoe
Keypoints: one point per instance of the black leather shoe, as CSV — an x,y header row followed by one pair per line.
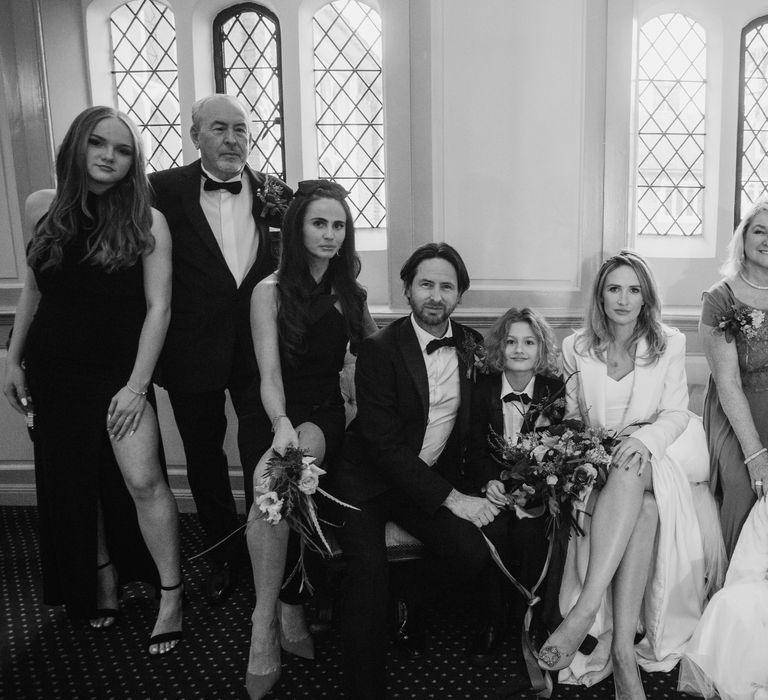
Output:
x,y
411,637
487,644
220,583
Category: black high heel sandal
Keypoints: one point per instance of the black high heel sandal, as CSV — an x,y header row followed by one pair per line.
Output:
x,y
174,636
114,613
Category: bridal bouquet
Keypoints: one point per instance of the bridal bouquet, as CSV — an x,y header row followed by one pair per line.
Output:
x,y
556,467
294,479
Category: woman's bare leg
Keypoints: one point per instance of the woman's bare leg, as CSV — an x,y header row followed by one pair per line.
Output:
x,y
137,456
613,522
628,589
267,544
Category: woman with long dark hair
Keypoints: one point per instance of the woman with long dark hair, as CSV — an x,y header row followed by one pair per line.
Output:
x,y
302,318
652,543
89,327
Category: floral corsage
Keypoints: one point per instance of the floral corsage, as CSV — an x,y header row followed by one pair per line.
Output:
x,y
294,479
741,320
273,197
474,355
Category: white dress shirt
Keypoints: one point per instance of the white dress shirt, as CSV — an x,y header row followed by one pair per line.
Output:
x,y
444,394
514,411
230,217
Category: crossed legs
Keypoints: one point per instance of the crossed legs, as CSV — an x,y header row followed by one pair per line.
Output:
x,y
621,545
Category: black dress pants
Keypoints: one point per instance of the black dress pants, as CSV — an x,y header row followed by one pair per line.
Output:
x,y
455,553
202,423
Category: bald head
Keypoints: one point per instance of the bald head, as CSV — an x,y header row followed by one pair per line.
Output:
x,y
220,130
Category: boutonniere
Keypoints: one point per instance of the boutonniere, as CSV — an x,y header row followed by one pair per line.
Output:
x,y
745,321
550,407
273,197
474,355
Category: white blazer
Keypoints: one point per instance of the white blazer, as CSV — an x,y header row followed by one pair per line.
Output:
x,y
659,395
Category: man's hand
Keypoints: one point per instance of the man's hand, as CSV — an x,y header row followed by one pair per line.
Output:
x,y
479,511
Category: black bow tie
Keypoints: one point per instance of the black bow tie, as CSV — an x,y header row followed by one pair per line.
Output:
x,y
437,343
514,396
234,187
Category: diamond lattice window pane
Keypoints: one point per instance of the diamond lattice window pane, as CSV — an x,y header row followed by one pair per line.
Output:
x,y
349,105
671,127
754,118
251,70
146,77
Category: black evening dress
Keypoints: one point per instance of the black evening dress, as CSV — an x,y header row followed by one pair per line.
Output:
x,y
80,351
311,385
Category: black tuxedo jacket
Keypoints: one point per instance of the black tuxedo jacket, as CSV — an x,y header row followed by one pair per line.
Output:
x,y
488,414
209,336
383,444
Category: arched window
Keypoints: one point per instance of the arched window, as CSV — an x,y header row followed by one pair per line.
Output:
x,y
349,111
146,77
671,84
246,62
752,148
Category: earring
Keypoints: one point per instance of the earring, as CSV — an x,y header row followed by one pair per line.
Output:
x,y
338,253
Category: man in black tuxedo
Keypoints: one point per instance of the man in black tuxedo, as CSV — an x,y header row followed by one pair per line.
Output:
x,y
219,213
403,461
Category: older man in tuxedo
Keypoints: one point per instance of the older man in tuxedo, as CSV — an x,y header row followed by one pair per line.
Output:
x,y
403,460
219,212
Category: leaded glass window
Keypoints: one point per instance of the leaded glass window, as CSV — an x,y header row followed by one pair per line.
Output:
x,y
752,155
145,75
670,127
349,109
246,59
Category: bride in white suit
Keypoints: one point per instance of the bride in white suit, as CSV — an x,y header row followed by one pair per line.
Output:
x,y
642,564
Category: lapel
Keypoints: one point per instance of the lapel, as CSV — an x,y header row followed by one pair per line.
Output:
x,y
414,363
497,407
190,198
465,382
540,396
593,378
265,255
643,401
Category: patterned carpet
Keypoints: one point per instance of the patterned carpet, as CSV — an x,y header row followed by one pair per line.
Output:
x,y
44,655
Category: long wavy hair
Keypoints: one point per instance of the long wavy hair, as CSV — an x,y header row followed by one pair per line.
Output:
x,y
295,282
596,334
123,220
547,363
735,259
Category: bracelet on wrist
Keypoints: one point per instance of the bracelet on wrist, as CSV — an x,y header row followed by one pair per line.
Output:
x,y
277,418
747,460
138,393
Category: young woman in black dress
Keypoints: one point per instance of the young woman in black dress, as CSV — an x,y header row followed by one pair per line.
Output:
x,y
89,326
302,318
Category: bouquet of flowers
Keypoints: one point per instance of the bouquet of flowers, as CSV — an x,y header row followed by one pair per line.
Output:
x,y
294,479
555,468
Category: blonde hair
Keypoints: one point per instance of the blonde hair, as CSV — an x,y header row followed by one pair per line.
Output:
x,y
548,361
734,260
596,334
